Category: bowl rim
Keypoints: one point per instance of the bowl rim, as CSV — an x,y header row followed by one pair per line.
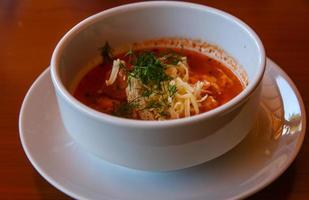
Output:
x,y
133,123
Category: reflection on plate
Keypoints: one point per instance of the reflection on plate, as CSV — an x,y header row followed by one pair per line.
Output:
x,y
263,155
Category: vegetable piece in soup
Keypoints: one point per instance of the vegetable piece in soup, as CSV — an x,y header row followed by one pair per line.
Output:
x,y
158,84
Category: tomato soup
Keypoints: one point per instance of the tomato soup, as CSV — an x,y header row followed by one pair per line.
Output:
x,y
157,84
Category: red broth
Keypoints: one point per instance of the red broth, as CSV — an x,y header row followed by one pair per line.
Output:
x,y
225,85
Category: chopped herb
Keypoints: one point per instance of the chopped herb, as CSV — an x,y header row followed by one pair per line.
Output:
x,y
106,53
126,109
129,82
131,56
164,113
172,89
149,70
123,67
147,93
153,104
130,53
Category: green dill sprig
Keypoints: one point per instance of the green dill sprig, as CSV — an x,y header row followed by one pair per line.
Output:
x,y
153,105
147,93
172,89
123,67
130,53
125,109
149,70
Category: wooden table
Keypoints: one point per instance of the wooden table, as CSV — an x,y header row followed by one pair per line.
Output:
x,y
29,31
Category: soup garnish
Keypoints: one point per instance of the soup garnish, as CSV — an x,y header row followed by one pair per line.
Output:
x,y
157,84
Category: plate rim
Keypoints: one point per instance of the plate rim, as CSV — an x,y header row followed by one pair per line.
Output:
x,y
258,187
33,162
267,182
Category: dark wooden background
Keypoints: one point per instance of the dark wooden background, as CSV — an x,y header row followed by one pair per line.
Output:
x,y
29,31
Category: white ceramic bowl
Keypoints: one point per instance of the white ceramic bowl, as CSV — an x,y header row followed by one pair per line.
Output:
x,y
158,145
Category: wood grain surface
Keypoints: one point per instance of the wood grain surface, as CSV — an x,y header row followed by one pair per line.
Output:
x,y
30,29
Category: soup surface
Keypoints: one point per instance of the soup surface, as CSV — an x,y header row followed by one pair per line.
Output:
x,y
157,84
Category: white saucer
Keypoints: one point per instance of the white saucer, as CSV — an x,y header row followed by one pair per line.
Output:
x,y
264,154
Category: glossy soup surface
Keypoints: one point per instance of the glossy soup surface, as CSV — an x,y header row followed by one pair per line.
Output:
x,y
221,85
